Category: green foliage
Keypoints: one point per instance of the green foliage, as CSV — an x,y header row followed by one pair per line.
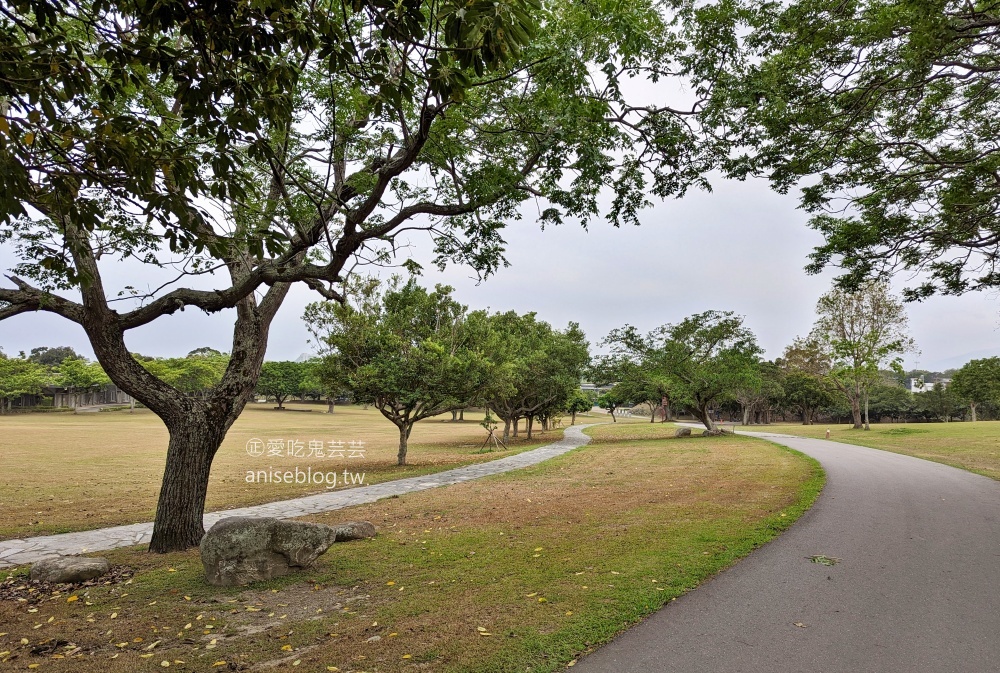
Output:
x,y
409,352
891,110
20,376
939,403
281,380
50,357
78,374
862,331
708,355
538,368
194,374
977,382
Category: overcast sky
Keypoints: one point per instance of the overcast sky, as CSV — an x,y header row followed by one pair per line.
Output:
x,y
741,248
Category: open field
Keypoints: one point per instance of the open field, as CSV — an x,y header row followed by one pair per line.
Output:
x,y
522,571
65,472
970,446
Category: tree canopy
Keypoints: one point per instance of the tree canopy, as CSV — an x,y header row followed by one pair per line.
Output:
x,y
411,353
889,112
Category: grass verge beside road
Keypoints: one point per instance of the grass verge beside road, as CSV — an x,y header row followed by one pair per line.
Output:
x,y
969,446
522,571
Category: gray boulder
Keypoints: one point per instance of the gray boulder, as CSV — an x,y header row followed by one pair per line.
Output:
x,y
239,550
683,432
355,530
713,433
69,569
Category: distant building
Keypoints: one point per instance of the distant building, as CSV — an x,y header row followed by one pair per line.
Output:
x,y
915,385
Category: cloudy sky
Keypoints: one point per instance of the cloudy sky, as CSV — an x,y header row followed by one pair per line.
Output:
x,y
740,248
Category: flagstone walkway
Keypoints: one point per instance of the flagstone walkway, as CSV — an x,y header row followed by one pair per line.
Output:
x,y
29,550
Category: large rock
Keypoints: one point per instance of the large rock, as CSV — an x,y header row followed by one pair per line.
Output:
x,y
239,550
713,433
682,432
69,569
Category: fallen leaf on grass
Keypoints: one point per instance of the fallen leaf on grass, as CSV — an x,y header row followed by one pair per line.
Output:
x,y
800,625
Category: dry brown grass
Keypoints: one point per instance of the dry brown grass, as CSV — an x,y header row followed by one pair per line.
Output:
x,y
64,472
523,571
970,446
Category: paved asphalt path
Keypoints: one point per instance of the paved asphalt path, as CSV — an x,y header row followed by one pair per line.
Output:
x,y
916,590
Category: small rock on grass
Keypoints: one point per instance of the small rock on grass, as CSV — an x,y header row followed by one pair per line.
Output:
x,y
69,569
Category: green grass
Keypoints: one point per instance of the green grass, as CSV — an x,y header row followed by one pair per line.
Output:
x,y
969,446
522,571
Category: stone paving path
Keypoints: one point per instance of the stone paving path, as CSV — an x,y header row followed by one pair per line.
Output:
x,y
29,550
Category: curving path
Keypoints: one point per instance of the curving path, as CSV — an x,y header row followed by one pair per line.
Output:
x,y
29,550
916,590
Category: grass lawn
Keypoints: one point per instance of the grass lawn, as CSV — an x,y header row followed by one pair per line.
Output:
x,y
970,446
66,472
519,572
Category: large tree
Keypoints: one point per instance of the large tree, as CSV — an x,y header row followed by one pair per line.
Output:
x,y
258,145
709,355
888,110
410,353
977,382
808,388
864,331
281,380
538,368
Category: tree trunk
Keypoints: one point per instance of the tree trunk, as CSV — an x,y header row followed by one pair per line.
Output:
x,y
572,417
461,414
506,430
856,413
329,405
612,412
517,422
972,408
454,415
529,425
746,414
404,435
194,439
705,416
867,425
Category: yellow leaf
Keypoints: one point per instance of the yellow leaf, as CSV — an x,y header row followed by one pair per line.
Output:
x,y
219,663
72,599
33,665
24,641
332,668
165,664
531,595
480,628
538,548
483,633
296,662
114,615
286,648
542,599
29,138
407,656
390,583
569,613
4,125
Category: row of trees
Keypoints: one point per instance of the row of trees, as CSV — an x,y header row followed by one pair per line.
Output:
x,y
848,365
45,367
414,353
